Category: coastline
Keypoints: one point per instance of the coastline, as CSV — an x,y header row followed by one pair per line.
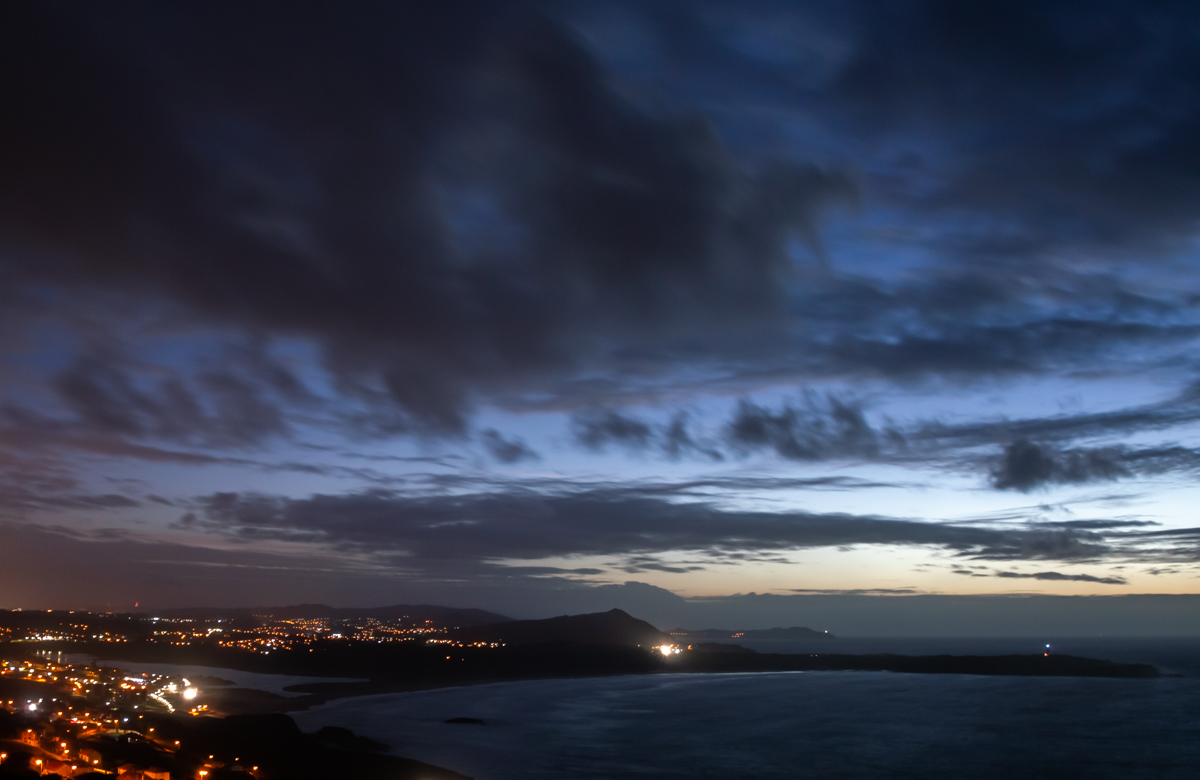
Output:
x,y
329,679
316,694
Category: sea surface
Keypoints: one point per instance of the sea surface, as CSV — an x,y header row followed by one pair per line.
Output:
x,y
809,724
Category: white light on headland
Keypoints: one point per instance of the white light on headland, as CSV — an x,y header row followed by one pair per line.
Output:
x,y
190,693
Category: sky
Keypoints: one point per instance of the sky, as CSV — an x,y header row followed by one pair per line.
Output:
x,y
550,306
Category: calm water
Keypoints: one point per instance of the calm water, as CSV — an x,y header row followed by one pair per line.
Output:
x,y
801,725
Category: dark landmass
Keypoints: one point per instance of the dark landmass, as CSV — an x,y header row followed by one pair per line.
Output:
x,y
243,701
718,647
467,721
600,644
414,612
392,669
269,746
26,690
344,739
205,681
1003,665
793,633
614,627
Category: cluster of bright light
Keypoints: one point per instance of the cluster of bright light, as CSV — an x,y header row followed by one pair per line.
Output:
x,y
668,649
456,643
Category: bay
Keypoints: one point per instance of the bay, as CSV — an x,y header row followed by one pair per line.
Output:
x,y
847,725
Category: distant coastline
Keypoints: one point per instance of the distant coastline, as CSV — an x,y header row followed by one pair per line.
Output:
x,y
748,663
571,646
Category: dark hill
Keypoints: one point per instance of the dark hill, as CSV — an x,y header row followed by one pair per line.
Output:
x,y
443,616
274,743
598,628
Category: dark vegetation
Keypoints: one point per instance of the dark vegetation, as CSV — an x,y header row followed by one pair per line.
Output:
x,y
269,745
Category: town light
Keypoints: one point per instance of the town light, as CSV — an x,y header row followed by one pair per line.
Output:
x,y
190,693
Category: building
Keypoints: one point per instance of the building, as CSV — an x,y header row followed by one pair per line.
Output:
x,y
61,768
91,756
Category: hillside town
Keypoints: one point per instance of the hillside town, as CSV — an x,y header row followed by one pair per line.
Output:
x,y
71,719
258,633
65,712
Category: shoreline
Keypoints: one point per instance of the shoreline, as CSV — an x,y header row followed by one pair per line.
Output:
x,y
327,681
317,694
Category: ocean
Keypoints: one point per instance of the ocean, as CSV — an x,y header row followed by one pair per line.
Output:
x,y
846,725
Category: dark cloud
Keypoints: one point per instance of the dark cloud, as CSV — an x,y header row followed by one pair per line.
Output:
x,y
466,204
232,227
452,201
598,428
596,521
595,429
506,450
220,409
1177,411
113,573
1049,544
1033,125
967,348
1056,576
1026,465
1100,525
677,440
1074,90
822,428
113,569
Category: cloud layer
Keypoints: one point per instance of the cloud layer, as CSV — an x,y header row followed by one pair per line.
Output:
x,y
451,286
